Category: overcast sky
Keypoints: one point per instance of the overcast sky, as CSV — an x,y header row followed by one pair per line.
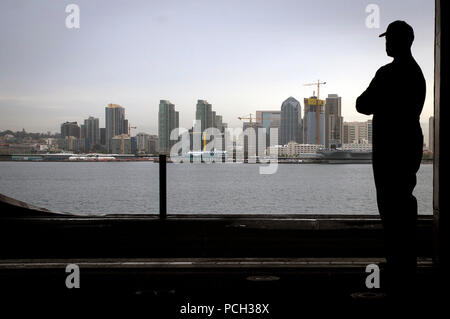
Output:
x,y
241,56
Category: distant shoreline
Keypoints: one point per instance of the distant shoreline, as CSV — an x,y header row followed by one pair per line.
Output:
x,y
169,162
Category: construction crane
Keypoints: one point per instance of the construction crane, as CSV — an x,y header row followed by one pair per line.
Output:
x,y
129,129
250,119
318,83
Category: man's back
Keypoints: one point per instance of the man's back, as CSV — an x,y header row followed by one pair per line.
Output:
x,y
395,97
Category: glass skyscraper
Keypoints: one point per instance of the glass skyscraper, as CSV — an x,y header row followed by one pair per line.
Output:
x,y
168,120
290,121
334,122
268,120
91,132
115,122
204,113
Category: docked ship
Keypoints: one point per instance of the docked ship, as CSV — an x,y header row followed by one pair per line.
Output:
x,y
205,156
339,156
93,157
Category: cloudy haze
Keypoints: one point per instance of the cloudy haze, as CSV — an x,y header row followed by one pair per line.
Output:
x,y
241,56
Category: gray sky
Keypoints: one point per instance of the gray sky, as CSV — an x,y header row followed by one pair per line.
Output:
x,y
241,56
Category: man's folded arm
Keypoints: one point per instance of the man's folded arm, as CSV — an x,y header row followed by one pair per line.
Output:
x,y
364,104
367,102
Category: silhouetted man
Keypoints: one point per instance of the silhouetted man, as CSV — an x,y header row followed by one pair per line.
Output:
x,y
395,97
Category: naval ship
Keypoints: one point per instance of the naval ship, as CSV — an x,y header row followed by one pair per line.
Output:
x,y
339,156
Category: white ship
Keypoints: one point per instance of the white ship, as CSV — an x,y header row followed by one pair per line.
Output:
x,y
92,157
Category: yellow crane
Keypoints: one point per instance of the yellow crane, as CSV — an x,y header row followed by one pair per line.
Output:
x,y
202,139
129,129
318,83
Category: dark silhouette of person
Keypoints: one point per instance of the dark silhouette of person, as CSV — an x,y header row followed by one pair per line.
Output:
x,y
395,98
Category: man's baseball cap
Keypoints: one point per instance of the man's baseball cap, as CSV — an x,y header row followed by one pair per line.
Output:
x,y
399,29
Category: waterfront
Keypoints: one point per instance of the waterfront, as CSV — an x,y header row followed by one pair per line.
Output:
x,y
120,187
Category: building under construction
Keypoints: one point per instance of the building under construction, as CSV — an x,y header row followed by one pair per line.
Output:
x,y
314,121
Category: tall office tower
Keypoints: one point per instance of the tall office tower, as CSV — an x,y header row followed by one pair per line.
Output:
x,y
204,114
218,123
125,127
91,132
349,133
82,131
268,120
290,121
431,134
213,118
153,144
142,143
334,122
102,136
115,122
357,132
133,141
168,120
252,143
70,129
314,121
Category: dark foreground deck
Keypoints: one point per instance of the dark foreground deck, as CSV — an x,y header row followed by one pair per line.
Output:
x,y
291,262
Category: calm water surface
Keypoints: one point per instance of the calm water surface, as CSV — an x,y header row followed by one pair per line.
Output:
x,y
132,187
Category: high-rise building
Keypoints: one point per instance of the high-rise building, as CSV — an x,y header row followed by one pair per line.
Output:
x,y
314,121
219,123
82,131
268,120
121,144
204,113
431,134
168,120
91,132
334,122
133,145
74,144
207,118
252,143
70,129
213,118
290,121
102,136
126,127
142,143
115,122
153,144
358,132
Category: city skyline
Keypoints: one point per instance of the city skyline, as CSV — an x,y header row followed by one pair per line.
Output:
x,y
253,57
260,119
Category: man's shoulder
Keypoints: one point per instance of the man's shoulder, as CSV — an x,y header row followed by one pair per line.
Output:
x,y
385,69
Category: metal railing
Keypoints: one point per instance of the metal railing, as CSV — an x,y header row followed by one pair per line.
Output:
x,y
162,187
